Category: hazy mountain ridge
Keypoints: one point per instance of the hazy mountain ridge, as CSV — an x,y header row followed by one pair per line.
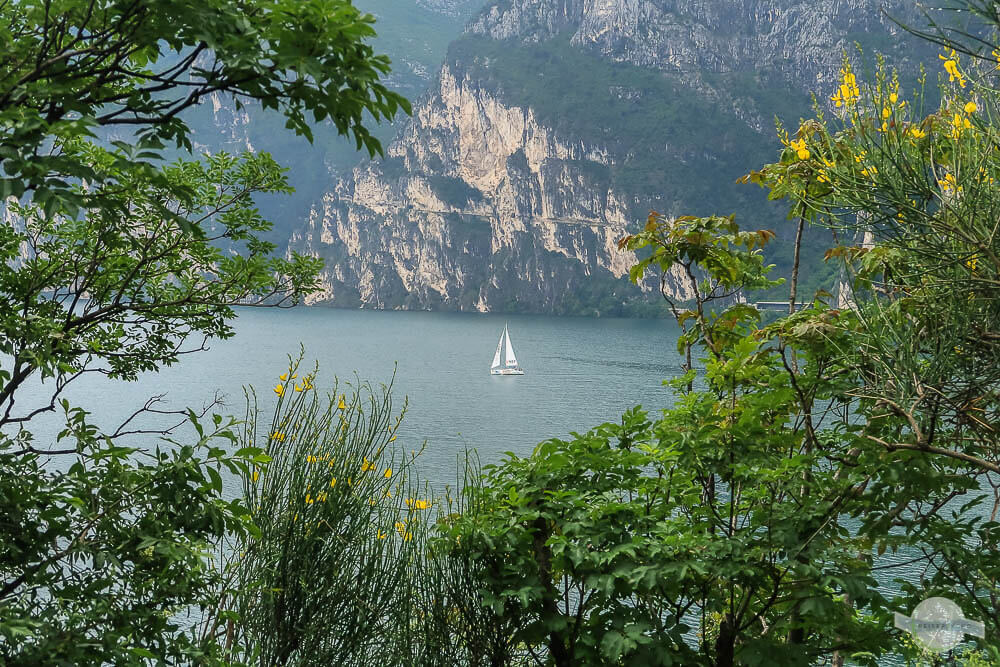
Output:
x,y
554,126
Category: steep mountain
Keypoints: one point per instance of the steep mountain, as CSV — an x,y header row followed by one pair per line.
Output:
x,y
554,126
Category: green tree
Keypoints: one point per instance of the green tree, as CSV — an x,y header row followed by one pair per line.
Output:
x,y
70,67
768,516
711,535
912,194
116,263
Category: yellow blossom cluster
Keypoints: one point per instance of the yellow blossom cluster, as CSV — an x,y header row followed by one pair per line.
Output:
x,y
848,92
320,498
959,124
799,146
403,532
417,504
949,184
951,67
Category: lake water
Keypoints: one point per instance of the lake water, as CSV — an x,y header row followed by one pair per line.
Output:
x,y
579,373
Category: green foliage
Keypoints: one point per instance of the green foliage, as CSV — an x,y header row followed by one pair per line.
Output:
x,y
917,197
104,561
123,288
112,263
72,66
757,514
714,534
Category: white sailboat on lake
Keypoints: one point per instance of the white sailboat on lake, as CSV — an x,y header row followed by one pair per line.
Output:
x,y
504,361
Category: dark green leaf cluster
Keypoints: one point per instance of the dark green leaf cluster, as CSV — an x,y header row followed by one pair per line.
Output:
x,y
105,561
70,67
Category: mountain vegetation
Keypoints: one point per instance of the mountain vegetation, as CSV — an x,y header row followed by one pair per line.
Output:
x,y
567,122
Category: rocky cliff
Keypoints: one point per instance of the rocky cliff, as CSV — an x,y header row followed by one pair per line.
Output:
x,y
554,127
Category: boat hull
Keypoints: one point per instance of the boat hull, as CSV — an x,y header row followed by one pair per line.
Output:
x,y
506,371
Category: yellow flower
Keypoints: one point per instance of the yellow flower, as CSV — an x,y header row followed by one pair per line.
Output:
x,y
970,107
847,92
822,177
917,133
283,377
371,502
972,263
893,98
417,504
949,183
799,146
279,436
333,482
256,475
388,473
341,405
309,499
886,112
951,67
298,387
392,438
366,465
279,390
401,529
381,534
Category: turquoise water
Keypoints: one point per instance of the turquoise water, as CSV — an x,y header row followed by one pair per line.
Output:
x,y
578,373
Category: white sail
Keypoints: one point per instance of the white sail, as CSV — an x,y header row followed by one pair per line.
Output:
x,y
496,357
509,352
504,361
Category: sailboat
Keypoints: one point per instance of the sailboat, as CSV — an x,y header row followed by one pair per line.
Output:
x,y
504,361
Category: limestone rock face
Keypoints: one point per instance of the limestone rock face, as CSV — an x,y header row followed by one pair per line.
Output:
x,y
554,126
